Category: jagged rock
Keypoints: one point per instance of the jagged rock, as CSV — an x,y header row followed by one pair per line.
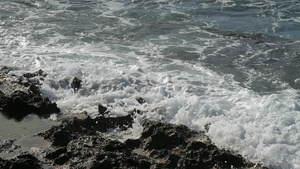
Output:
x,y
102,110
19,104
38,73
28,79
98,152
76,83
161,145
175,146
160,135
141,100
22,161
74,127
34,89
78,143
21,95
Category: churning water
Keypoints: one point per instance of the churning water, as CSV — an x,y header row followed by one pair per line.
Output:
x,y
231,63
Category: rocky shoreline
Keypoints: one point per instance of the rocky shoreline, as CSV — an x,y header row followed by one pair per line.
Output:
x,y
81,143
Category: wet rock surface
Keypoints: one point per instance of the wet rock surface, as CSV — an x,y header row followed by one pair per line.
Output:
x,y
79,143
84,143
20,95
76,83
22,161
73,128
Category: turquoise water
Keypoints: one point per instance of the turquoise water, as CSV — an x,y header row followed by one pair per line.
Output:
x,y
234,64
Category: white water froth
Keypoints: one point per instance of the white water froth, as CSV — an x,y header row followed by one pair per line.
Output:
x,y
262,128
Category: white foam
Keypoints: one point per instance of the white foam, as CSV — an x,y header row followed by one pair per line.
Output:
x,y
114,72
259,127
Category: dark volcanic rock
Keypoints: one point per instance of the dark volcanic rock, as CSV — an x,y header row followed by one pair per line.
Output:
x,y
73,128
164,136
94,152
22,95
19,104
28,79
140,100
22,161
102,110
79,144
38,73
76,83
161,145
179,147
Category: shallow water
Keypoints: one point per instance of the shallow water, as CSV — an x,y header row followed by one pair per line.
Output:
x,y
30,125
234,64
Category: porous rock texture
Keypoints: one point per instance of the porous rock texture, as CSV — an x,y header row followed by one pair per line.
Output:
x,y
80,143
20,95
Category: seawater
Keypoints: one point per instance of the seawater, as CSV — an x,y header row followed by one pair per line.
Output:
x,y
233,64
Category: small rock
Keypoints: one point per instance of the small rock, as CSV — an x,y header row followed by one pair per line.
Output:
x,y
34,89
141,100
102,110
76,83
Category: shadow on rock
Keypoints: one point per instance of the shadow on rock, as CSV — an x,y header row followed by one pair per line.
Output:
x,y
22,161
20,95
